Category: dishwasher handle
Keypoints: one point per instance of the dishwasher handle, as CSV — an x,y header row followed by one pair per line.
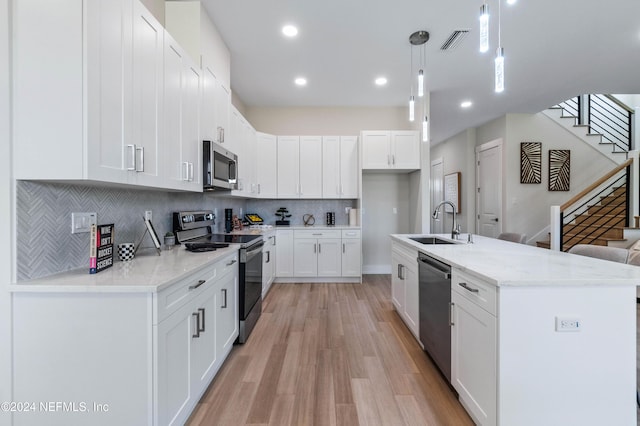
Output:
x,y
436,266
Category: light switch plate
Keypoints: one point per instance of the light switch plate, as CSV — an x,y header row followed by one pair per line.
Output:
x,y
81,222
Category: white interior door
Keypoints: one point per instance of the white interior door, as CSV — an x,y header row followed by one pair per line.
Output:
x,y
437,194
489,191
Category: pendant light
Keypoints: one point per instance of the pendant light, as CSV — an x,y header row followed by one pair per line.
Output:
x,y
499,61
412,108
425,130
484,28
418,38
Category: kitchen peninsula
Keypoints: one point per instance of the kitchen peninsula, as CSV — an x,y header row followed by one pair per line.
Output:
x,y
537,336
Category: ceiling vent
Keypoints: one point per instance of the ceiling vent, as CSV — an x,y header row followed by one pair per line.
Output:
x,y
454,39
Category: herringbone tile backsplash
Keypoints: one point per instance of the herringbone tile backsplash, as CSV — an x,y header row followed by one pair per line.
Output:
x,y
46,246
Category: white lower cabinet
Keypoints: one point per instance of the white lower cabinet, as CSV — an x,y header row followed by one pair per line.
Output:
x,y
404,286
351,253
268,263
144,357
309,255
317,253
284,253
474,346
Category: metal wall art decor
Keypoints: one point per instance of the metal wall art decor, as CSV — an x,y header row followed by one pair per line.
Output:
x,y
530,162
559,169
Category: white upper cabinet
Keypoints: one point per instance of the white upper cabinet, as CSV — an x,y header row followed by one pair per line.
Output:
x,y
310,174
340,173
266,165
243,136
299,167
181,118
57,52
189,24
143,136
288,166
384,150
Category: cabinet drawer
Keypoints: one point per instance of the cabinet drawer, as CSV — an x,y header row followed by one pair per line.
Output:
x,y
409,255
317,233
475,289
172,298
351,233
226,265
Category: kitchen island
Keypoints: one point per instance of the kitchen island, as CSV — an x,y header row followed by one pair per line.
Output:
x,y
537,337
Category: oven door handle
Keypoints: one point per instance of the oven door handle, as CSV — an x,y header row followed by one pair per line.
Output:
x,y
255,250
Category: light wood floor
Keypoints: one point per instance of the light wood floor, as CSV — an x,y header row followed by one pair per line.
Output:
x,y
329,354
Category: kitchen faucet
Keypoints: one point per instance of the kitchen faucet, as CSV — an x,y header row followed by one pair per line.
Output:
x,y
455,230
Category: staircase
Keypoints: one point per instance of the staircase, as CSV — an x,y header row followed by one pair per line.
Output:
x,y
601,223
597,141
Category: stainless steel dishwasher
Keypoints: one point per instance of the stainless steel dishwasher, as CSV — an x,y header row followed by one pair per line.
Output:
x,y
434,293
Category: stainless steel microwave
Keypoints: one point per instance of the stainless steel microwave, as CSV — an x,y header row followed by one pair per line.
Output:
x,y
219,167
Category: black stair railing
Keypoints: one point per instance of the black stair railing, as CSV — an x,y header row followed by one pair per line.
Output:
x,y
612,119
611,215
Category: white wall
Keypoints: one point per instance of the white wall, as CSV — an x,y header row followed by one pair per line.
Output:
x,y
525,206
326,120
381,193
458,155
6,216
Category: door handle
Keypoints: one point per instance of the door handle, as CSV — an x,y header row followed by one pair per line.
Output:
x,y
231,263
319,248
185,171
451,304
201,311
197,315
224,306
200,282
314,248
133,157
343,248
141,169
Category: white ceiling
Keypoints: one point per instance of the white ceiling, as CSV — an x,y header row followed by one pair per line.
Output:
x,y
554,49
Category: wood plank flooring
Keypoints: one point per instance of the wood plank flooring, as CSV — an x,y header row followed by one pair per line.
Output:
x,y
329,354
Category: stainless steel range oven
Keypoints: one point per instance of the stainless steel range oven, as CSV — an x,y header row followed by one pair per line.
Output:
x,y
194,228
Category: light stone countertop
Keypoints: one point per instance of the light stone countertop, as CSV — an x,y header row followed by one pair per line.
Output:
x,y
146,273
504,263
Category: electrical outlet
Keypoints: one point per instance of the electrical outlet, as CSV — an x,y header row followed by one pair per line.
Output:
x,y
81,222
148,215
568,324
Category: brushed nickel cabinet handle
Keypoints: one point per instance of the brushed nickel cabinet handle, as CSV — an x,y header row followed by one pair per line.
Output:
x,y
466,287
200,282
224,291
197,315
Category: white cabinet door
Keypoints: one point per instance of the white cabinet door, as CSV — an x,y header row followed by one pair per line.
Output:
x,y
349,170
203,339
226,311
397,283
310,169
474,361
105,85
284,253
181,119
288,166
174,363
405,150
376,150
147,64
208,111
331,167
267,165
191,152
411,299
222,112
329,257
305,262
351,257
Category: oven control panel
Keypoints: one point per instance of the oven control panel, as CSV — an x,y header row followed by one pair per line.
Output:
x,y
186,220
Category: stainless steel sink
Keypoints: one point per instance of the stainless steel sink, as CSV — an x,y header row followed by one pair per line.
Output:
x,y
430,240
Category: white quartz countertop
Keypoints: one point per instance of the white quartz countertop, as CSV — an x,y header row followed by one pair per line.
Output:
x,y
504,263
319,228
147,272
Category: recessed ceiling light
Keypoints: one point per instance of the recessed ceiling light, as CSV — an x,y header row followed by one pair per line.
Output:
x,y
301,81
289,31
381,81
466,104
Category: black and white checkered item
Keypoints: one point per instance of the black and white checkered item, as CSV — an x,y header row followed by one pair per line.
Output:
x,y
126,252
